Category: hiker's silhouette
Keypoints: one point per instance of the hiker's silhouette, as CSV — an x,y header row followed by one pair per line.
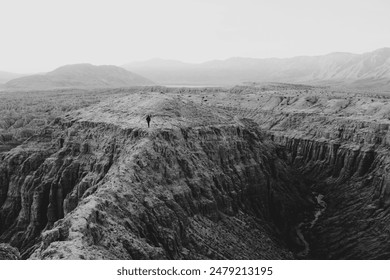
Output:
x,y
148,118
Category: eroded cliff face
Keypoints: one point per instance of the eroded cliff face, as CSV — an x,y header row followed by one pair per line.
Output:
x,y
354,181
348,164
39,177
8,252
340,144
199,184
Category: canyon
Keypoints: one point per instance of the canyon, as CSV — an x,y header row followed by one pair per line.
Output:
x,y
272,171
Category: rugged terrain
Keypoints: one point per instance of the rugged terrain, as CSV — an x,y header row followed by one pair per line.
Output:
x,y
339,143
199,184
276,171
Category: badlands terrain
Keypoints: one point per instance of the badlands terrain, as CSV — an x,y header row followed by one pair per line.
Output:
x,y
268,171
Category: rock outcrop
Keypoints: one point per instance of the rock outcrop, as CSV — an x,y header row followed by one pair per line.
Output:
x,y
8,252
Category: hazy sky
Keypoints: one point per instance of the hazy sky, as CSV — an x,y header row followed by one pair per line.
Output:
x,y
41,35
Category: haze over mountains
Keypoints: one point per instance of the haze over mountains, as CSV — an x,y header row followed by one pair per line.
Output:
x,y
361,71
7,76
370,69
80,76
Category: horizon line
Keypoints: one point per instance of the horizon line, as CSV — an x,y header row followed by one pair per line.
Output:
x,y
193,63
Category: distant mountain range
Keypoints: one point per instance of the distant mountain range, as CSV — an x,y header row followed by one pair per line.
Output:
x,y
6,76
363,71
80,76
370,69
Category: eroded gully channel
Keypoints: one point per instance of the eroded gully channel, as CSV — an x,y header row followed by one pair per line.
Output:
x,y
310,221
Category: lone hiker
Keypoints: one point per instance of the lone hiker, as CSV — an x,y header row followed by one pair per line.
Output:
x,y
148,118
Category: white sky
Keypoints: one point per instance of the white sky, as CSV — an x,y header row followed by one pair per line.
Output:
x,y
41,35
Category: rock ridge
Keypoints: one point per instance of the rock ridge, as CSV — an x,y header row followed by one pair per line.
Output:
x,y
100,187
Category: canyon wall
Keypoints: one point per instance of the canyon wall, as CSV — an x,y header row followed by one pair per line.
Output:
x,y
340,144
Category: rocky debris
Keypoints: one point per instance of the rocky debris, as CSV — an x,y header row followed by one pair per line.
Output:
x,y
8,252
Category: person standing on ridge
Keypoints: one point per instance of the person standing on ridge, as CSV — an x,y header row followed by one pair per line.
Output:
x,y
148,118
